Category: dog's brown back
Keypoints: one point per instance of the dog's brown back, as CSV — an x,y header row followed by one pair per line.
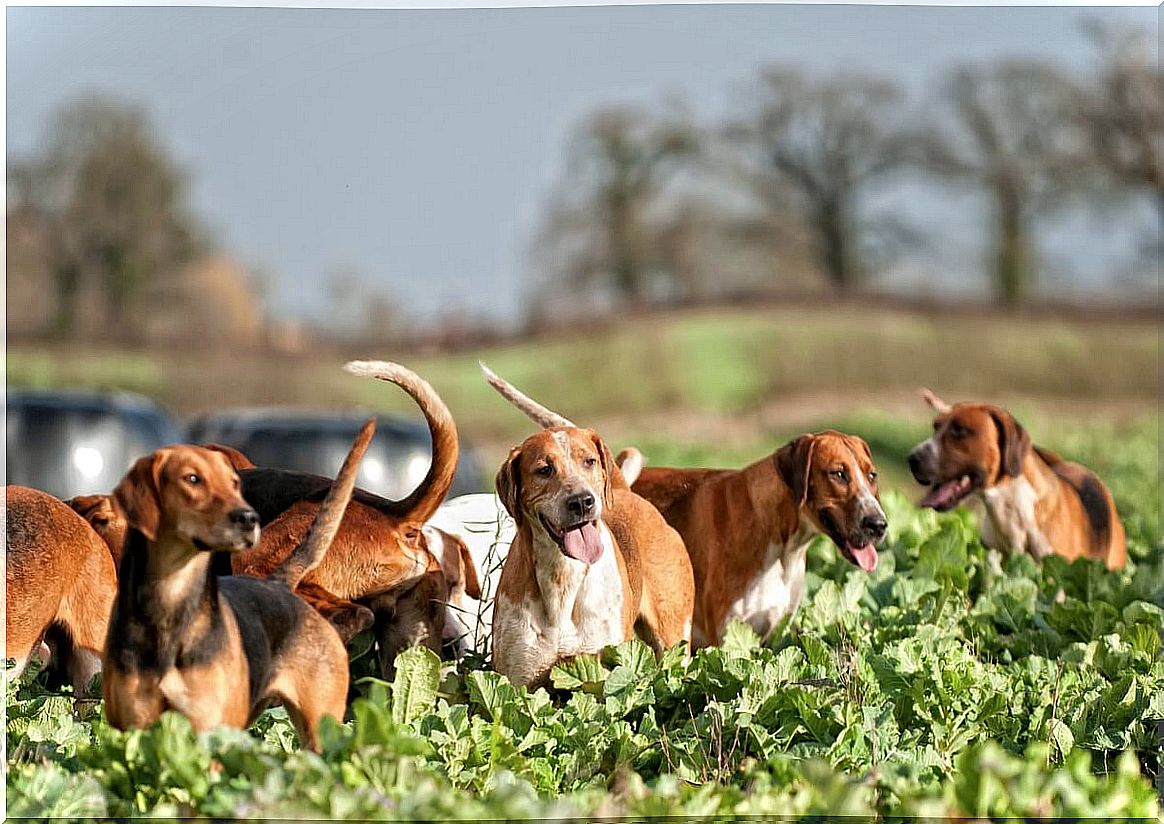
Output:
x,y
60,576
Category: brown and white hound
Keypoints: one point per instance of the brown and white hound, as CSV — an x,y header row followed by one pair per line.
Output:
x,y
1034,501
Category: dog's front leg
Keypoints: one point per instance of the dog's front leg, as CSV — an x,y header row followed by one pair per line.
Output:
x,y
132,700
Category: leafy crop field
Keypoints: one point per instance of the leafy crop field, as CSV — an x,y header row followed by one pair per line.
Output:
x,y
950,681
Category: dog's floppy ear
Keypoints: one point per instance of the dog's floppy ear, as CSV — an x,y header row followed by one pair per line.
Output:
x,y
936,403
89,507
793,462
1013,443
455,561
348,618
468,570
508,484
607,467
236,459
138,497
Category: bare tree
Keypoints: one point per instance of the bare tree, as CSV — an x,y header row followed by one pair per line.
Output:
x,y
813,146
113,202
1122,111
599,233
1010,132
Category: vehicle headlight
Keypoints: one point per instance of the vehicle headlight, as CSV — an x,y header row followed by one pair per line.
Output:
x,y
415,470
373,470
88,461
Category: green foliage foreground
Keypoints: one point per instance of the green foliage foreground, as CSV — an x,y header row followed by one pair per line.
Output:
x,y
949,681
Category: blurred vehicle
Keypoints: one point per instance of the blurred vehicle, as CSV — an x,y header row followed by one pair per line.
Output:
x,y
395,464
80,442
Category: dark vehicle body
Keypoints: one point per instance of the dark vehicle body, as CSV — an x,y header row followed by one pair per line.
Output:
x,y
71,443
396,462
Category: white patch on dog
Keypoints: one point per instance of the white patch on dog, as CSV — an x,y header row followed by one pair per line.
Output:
x,y
580,611
775,592
1010,523
866,499
480,520
562,439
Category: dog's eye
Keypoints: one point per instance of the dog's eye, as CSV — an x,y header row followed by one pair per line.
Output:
x,y
958,431
872,477
590,463
545,470
192,479
840,475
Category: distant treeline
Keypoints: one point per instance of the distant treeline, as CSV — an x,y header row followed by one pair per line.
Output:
x,y
652,208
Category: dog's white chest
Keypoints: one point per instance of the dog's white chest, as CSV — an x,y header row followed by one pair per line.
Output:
x,y
1009,523
589,621
580,611
774,593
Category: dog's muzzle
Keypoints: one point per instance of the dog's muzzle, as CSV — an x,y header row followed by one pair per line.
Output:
x,y
923,461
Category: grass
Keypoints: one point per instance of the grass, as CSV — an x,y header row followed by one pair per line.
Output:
x,y
742,379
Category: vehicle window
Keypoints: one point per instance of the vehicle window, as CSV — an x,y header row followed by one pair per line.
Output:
x,y
70,452
390,468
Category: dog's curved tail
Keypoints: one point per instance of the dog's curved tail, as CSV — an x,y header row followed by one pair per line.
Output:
x,y
630,462
543,417
422,502
308,555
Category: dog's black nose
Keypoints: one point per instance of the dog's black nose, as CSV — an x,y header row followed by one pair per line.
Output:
x,y
581,504
914,462
874,525
244,517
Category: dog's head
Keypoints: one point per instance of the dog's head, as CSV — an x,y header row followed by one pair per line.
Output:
x,y
558,481
190,493
974,447
832,478
460,575
101,514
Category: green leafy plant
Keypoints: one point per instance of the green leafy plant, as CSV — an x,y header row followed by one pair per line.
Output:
x,y
949,682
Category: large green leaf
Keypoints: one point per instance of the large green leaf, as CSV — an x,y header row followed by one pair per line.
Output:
x,y
418,671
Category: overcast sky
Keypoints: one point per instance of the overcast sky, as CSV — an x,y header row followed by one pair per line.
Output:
x,y
418,147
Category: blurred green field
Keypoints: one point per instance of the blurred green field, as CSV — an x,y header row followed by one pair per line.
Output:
x,y
723,360
701,387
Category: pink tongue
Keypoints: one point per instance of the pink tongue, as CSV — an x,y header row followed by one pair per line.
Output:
x,y
583,544
866,557
942,495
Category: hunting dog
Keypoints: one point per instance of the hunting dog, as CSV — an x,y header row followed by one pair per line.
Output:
x,y
380,556
217,650
565,588
61,584
1033,500
747,531
100,511
661,586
